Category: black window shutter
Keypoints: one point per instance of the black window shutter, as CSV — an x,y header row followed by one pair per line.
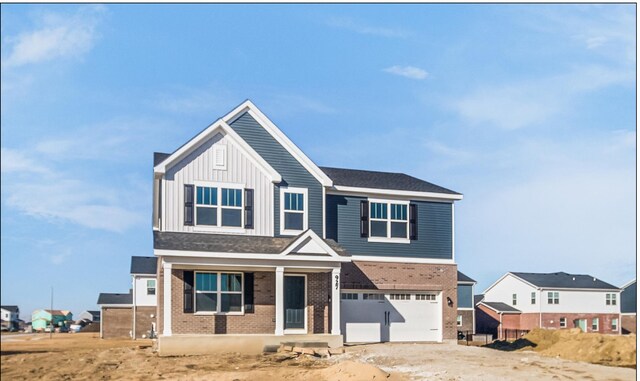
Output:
x,y
364,218
413,221
248,208
248,293
188,204
188,291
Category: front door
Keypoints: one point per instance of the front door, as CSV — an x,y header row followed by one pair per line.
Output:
x,y
294,303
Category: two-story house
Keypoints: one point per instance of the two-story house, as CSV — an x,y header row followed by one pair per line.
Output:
x,y
131,314
257,245
523,301
10,317
628,306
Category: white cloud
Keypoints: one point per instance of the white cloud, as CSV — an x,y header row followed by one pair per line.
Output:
x,y
407,71
360,28
58,36
534,101
15,161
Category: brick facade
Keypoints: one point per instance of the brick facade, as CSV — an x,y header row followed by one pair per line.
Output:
x,y
629,324
409,276
261,321
144,320
467,321
116,322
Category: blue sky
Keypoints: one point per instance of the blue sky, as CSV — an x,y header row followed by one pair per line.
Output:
x,y
529,110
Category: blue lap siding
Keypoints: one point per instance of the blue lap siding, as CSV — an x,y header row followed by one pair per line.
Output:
x,y
292,172
434,230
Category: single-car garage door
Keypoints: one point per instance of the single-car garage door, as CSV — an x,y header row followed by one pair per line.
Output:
x,y
368,317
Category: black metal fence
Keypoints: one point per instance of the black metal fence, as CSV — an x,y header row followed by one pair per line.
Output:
x,y
471,338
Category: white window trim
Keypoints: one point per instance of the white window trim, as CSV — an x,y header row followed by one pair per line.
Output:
x,y
614,327
597,328
459,321
553,297
297,331
218,293
565,322
388,238
611,299
154,286
305,218
514,299
533,298
218,228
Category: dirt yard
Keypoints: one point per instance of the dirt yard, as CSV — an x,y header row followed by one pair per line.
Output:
x,y
85,357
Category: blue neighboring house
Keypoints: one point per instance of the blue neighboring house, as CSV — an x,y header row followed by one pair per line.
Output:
x,y
252,237
628,305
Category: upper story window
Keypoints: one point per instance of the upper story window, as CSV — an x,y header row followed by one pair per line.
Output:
x,y
218,206
151,286
514,299
533,298
611,299
388,221
293,210
553,297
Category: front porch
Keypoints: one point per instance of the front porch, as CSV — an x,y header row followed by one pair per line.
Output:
x,y
245,302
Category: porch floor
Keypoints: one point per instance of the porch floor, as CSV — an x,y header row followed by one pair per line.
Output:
x,y
184,344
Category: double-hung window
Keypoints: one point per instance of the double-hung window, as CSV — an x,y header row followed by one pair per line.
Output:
x,y
219,206
611,299
389,221
553,297
514,299
563,322
218,292
594,324
151,286
614,324
533,298
293,210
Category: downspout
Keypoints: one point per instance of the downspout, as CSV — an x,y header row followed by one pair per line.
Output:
x,y
540,309
501,327
134,306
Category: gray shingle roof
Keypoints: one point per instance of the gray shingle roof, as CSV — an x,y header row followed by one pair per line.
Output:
x,y
13,309
144,265
158,157
564,280
501,307
477,298
464,278
228,243
108,298
381,180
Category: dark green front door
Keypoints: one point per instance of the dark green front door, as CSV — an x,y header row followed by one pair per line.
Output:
x,y
294,302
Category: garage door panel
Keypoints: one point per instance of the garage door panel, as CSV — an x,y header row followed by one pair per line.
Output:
x,y
398,317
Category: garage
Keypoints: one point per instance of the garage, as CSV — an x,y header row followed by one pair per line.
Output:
x,y
369,317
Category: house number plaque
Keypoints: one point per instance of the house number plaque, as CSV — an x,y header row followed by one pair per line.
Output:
x,y
337,282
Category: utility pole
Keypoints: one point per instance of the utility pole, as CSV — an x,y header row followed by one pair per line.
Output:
x,y
51,313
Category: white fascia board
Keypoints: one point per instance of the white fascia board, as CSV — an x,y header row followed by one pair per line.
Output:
x,y
273,130
116,305
433,261
466,308
610,290
314,237
252,256
209,132
143,275
629,283
462,282
516,277
375,192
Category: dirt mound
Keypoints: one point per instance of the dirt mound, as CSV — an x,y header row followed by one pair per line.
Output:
x,y
351,370
573,344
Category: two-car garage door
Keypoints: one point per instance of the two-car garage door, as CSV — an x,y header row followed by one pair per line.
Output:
x,y
396,316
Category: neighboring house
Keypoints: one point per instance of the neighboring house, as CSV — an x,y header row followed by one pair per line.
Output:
x,y
10,316
133,314
466,317
89,316
254,238
523,301
42,319
628,305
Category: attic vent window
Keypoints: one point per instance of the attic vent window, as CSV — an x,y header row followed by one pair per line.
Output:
x,y
220,157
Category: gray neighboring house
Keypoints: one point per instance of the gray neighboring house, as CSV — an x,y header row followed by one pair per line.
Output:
x,y
10,316
628,306
89,316
466,321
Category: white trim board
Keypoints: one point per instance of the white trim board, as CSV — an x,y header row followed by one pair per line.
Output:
x,y
280,137
211,131
252,256
375,192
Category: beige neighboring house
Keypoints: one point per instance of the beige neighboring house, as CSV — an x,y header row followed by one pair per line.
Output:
x,y
132,314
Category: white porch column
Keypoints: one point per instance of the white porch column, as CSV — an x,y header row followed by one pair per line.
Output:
x,y
335,301
279,300
166,324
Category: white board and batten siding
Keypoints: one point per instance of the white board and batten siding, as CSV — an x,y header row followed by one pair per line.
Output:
x,y
200,166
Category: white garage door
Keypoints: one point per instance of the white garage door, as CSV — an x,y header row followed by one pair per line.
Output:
x,y
398,316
